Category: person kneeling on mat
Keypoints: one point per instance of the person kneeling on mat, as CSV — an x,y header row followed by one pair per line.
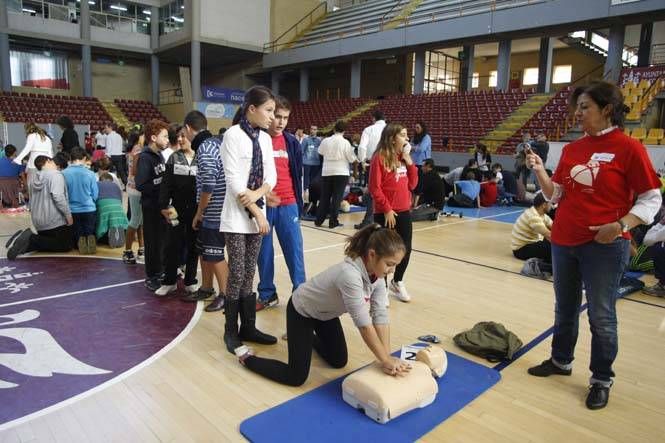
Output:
x,y
357,286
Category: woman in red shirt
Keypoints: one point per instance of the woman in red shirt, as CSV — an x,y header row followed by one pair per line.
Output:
x,y
605,185
392,178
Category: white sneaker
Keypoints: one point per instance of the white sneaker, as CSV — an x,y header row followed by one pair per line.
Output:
x,y
165,289
399,291
192,288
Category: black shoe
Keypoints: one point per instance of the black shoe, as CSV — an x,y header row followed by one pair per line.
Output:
x,y
263,304
20,245
128,258
547,368
12,238
598,396
248,331
231,339
200,294
335,225
152,284
317,224
217,304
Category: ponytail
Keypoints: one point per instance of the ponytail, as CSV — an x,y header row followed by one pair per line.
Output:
x,y
385,242
256,95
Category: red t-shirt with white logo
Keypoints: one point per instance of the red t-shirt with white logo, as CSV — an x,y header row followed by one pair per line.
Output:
x,y
284,186
601,176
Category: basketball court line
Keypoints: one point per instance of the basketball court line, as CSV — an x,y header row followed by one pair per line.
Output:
x,y
129,372
67,294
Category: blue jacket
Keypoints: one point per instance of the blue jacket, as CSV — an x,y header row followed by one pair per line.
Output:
x,y
82,188
422,151
310,147
294,150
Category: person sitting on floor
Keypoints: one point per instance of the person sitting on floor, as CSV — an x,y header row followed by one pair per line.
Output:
x,y
111,217
432,194
531,232
10,178
654,241
467,192
489,191
49,211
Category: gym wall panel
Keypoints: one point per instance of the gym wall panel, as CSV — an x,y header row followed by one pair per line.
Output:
x,y
243,23
286,13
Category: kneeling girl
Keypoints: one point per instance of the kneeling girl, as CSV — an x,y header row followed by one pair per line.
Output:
x,y
357,286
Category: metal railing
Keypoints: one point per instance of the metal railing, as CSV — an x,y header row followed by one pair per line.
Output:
x,y
119,23
463,7
293,32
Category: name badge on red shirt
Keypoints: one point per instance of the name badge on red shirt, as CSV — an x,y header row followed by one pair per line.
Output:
x,y
605,157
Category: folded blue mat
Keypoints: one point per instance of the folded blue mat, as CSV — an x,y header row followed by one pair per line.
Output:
x,y
321,415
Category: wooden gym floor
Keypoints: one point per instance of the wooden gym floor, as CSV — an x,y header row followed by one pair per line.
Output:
x,y
461,272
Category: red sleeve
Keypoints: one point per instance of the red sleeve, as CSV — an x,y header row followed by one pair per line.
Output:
x,y
377,171
412,174
639,169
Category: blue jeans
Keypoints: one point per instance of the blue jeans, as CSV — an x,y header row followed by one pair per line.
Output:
x,y
599,268
310,172
285,221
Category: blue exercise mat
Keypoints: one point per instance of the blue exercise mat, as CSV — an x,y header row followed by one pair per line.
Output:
x,y
321,415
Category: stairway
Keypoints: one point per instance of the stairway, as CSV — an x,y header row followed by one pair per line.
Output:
x,y
116,114
360,110
504,130
588,48
403,15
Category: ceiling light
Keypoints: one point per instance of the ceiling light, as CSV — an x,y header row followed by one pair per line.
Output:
x,y
182,6
91,3
118,7
29,11
147,12
177,19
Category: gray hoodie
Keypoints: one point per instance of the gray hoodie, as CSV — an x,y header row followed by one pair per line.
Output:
x,y
49,203
344,287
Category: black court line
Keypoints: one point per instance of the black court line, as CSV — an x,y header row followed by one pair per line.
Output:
x,y
446,257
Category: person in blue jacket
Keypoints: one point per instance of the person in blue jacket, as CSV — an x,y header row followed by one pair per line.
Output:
x,y
421,150
285,207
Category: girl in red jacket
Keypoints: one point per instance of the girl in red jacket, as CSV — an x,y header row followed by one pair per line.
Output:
x,y
392,178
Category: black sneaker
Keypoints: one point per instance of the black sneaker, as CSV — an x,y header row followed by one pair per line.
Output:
x,y
598,396
199,294
547,368
152,284
128,258
361,225
12,238
20,244
272,301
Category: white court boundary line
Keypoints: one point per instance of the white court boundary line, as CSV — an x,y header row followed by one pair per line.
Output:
x,y
120,377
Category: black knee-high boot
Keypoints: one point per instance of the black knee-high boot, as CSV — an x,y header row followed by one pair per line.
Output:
x,y
248,331
231,339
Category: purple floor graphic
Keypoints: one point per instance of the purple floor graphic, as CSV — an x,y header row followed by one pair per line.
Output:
x,y
52,349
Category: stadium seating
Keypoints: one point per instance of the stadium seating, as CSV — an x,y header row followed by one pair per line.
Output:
x,y
139,111
42,108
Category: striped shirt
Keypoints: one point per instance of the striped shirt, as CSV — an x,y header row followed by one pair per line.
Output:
x,y
210,179
530,227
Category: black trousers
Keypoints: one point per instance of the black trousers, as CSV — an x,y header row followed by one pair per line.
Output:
x,y
52,240
154,230
304,334
120,164
332,191
404,228
181,240
541,249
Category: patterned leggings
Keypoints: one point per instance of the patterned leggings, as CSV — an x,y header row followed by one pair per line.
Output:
x,y
243,251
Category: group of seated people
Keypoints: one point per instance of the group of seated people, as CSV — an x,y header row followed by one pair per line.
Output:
x,y
71,206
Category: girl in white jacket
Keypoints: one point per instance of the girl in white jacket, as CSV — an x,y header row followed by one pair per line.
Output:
x,y
250,174
36,144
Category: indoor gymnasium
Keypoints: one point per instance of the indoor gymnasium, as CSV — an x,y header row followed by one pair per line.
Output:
x,y
332,221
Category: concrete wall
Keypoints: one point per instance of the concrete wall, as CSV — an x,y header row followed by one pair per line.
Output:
x,y
243,23
175,112
581,62
231,76
286,13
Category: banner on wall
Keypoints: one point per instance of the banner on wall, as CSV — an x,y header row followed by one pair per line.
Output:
x,y
222,95
217,110
649,73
